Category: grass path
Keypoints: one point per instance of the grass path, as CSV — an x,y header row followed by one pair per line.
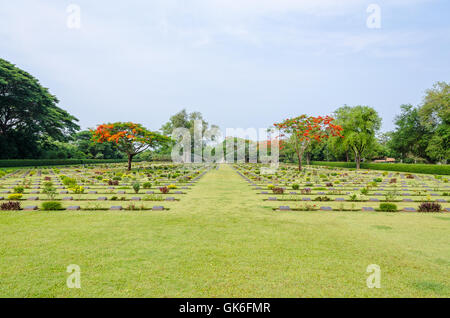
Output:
x,y
222,240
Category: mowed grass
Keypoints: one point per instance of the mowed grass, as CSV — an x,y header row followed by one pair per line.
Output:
x,y
222,240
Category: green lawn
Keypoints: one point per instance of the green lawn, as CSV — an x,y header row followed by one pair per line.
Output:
x,y
223,240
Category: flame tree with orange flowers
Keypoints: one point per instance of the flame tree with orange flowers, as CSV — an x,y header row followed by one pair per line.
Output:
x,y
129,138
303,129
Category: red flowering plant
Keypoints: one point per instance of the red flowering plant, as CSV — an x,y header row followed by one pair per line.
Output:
x,y
302,130
129,138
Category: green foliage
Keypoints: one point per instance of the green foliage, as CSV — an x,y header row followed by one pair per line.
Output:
x,y
388,207
51,206
55,162
19,189
136,187
360,123
49,190
295,186
147,185
401,167
29,114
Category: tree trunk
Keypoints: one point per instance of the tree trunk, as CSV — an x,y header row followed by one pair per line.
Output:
x,y
308,159
358,161
300,157
346,155
130,158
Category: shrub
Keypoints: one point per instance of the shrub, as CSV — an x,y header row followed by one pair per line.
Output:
x,y
393,180
49,190
69,182
403,167
15,196
278,190
51,206
10,206
164,190
430,207
329,184
113,182
388,207
295,186
365,191
147,185
136,187
77,189
377,180
324,198
19,189
305,191
172,186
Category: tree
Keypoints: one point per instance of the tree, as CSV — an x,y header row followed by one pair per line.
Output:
x,y
28,113
183,119
302,130
129,138
411,136
435,113
360,123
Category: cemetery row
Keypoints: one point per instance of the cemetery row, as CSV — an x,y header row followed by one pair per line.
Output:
x,y
98,187
339,189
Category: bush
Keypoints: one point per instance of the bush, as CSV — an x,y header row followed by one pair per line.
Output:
x,y
19,189
388,207
15,196
324,198
295,186
54,162
136,187
69,182
164,190
377,180
51,206
147,185
278,190
430,207
172,186
10,206
77,190
403,167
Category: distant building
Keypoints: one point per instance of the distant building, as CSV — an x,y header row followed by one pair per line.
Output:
x,y
385,160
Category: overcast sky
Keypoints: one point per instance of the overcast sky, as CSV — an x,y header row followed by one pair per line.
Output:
x,y
242,63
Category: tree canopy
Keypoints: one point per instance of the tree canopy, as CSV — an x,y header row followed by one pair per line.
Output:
x,y
28,113
129,138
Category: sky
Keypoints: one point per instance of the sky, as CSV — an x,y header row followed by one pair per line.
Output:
x,y
241,63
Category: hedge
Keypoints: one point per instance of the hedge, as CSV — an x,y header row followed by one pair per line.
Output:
x,y
56,162
401,167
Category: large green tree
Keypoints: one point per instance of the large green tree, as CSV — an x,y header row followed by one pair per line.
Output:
x,y
360,124
411,136
28,114
435,114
